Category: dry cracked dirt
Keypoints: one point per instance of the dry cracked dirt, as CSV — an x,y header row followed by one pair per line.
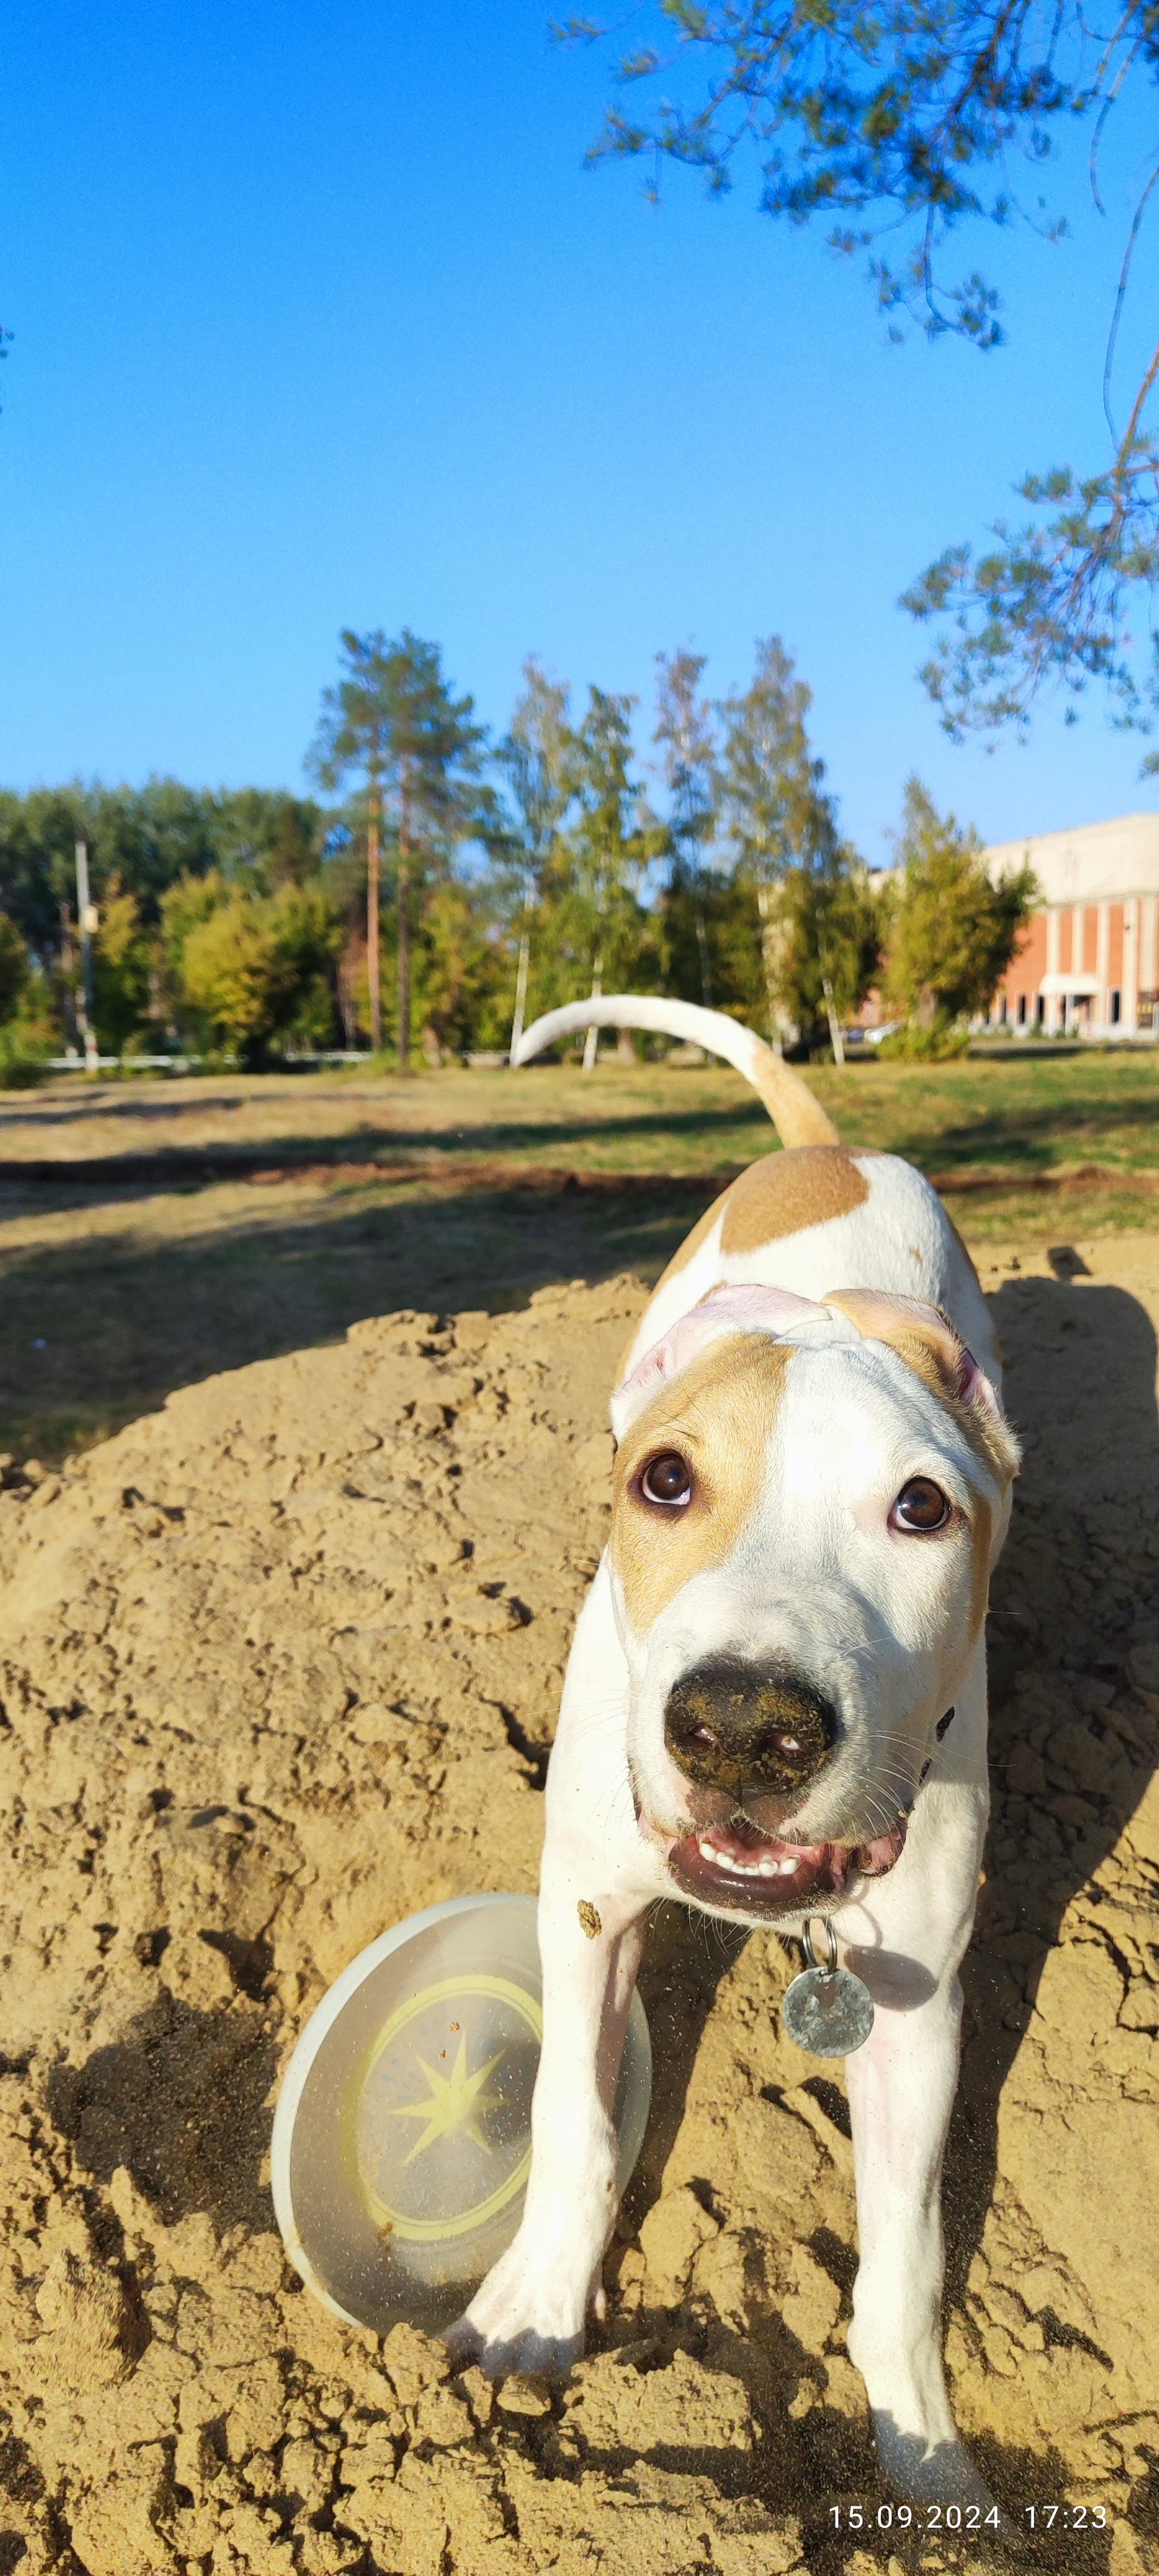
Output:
x,y
280,1664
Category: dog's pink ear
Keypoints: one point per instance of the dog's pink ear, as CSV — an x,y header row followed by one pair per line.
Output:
x,y
926,1340
724,1310
974,1387
753,1309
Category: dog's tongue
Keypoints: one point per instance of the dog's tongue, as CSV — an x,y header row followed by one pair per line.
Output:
x,y
873,1859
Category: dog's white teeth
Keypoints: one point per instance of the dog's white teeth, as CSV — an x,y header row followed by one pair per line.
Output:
x,y
766,1867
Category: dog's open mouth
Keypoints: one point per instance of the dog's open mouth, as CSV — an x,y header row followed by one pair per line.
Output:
x,y
736,1867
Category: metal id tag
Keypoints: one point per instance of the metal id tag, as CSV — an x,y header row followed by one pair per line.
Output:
x,y
826,2009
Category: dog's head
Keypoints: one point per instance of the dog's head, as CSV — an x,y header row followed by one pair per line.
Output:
x,y
808,1500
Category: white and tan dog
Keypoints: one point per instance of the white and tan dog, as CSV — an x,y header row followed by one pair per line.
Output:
x,y
812,1483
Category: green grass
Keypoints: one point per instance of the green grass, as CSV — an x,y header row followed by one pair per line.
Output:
x,y
1021,1114
152,1233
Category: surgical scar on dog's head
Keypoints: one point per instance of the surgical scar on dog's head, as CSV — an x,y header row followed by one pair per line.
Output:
x,y
719,1414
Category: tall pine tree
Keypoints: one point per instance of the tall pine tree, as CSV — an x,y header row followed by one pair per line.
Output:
x,y
817,921
393,722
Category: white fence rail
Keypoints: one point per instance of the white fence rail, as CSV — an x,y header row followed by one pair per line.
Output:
x,y
76,1063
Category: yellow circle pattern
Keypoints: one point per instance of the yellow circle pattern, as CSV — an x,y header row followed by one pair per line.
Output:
x,y
497,1990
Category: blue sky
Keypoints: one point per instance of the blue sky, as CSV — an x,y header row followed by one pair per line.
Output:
x,y
319,321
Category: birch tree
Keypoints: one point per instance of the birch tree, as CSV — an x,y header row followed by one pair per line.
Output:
x,y
538,758
612,842
685,731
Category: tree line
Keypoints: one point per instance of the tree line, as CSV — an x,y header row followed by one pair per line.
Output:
x,y
442,887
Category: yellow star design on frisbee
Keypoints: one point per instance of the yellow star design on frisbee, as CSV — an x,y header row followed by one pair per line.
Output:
x,y
452,2103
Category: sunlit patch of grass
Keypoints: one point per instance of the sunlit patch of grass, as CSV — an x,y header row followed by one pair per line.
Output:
x,y
1036,1110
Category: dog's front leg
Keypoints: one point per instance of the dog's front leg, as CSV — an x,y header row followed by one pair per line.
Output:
x,y
529,2313
901,2089
594,1886
901,2092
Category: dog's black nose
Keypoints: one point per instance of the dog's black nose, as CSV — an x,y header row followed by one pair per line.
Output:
x,y
755,1730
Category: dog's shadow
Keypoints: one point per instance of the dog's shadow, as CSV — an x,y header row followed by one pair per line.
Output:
x,y
1074,1613
686,1958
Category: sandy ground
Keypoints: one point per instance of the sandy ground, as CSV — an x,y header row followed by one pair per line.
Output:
x,y
279,1665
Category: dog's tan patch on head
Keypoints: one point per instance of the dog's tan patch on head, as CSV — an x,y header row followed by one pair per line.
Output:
x,y
719,1415
786,1192
930,1347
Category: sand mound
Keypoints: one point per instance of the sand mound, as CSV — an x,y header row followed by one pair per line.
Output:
x,y
280,1665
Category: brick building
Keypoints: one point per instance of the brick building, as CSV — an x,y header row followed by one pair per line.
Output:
x,y
1088,961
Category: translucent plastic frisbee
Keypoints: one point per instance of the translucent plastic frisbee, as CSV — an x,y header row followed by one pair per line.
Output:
x,y
402,2138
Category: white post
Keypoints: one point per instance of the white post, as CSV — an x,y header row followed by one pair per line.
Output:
x,y
776,1038
592,1039
1053,961
834,1023
1103,965
1148,948
1129,1009
521,979
86,914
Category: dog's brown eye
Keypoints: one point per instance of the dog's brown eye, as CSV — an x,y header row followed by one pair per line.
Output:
x,y
921,1505
668,1480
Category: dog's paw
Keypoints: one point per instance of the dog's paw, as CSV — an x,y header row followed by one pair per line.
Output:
x,y
527,2315
941,2473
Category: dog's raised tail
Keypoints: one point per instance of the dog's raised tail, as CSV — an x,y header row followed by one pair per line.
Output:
x,y
798,1118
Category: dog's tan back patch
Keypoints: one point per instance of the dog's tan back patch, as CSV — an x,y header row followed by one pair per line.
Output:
x,y
719,1414
786,1192
777,1196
